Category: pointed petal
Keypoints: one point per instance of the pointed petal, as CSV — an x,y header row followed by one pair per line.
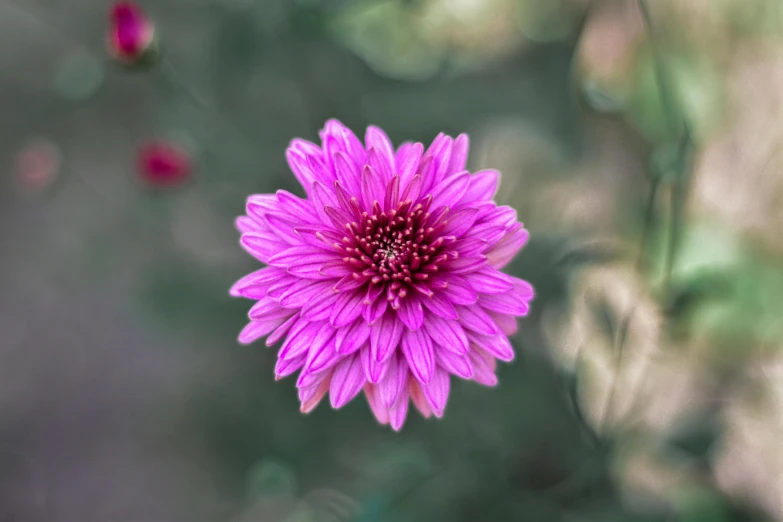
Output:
x,y
418,398
458,365
508,303
450,191
385,336
381,413
411,313
374,370
302,292
502,253
446,334
483,373
285,367
440,307
487,280
407,159
281,330
347,308
394,382
399,411
350,338
257,329
483,186
475,319
420,354
347,381
437,391
497,345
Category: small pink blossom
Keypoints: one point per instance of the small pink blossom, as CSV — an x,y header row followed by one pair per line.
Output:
x,y
131,33
162,164
386,277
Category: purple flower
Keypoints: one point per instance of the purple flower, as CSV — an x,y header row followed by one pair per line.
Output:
x,y
386,277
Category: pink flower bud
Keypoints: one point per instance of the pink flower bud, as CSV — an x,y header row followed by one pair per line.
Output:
x,y
163,164
131,33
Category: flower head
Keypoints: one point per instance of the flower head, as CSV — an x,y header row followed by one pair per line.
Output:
x,y
163,164
386,277
131,33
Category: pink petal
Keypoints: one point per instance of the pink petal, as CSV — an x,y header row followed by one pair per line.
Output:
x,y
320,309
399,411
507,248
506,323
285,367
392,196
350,338
412,190
304,291
322,356
301,168
459,154
437,391
411,313
420,354
262,245
347,381
299,208
418,398
440,307
348,173
385,337
446,334
300,256
256,329
281,286
377,140
508,303
255,284
394,382
458,365
266,307
483,186
374,401
450,191
475,319
312,399
407,160
470,247
489,281
347,308
456,290
483,373
463,265
374,370
244,224
372,187
302,338
379,165
281,330
322,198
496,345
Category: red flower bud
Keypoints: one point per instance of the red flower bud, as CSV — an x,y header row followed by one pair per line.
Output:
x,y
131,33
163,164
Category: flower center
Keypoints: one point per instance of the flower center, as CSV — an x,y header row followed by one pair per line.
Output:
x,y
400,249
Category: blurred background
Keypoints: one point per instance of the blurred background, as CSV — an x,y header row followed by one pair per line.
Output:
x,y
640,144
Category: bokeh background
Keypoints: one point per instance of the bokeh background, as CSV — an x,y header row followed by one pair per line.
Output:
x,y
643,153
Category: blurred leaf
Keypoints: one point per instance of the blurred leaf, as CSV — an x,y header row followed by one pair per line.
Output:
x,y
697,435
685,296
587,254
270,478
606,317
